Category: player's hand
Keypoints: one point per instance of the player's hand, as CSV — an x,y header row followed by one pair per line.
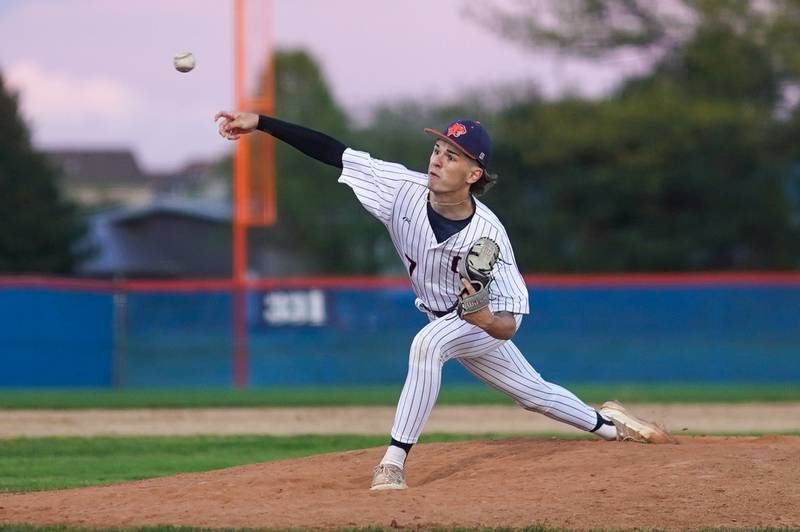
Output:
x,y
482,318
233,124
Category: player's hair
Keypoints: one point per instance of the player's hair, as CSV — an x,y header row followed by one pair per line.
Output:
x,y
487,181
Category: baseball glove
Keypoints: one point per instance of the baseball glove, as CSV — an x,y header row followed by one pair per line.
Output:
x,y
476,268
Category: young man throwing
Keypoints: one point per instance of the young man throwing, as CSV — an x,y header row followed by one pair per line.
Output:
x,y
462,270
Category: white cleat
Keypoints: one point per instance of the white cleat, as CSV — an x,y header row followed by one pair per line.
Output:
x,y
631,428
388,477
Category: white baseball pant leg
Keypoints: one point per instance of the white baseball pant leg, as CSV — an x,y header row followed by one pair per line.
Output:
x,y
498,363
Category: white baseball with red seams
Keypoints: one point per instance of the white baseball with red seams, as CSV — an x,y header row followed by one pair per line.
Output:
x,y
398,198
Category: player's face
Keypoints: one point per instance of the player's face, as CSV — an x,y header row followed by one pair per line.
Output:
x,y
450,170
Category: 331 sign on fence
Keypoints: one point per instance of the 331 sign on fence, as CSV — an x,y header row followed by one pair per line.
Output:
x,y
294,307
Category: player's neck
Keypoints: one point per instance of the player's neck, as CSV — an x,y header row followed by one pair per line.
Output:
x,y
452,208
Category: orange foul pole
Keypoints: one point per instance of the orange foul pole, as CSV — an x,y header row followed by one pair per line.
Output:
x,y
254,195
240,187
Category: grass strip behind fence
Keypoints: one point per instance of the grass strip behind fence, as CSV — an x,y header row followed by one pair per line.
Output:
x,y
379,396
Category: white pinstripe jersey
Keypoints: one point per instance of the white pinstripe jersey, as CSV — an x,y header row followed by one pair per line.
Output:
x,y
398,197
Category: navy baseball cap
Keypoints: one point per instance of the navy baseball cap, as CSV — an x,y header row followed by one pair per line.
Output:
x,y
470,137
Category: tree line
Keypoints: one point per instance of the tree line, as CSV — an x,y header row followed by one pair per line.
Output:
x,y
690,166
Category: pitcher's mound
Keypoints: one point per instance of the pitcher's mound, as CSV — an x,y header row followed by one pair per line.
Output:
x,y
701,482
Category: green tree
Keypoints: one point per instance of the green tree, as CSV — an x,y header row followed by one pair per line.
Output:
x,y
683,168
724,49
318,220
652,182
39,230
590,28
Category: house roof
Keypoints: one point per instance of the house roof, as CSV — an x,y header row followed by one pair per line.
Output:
x,y
98,166
119,250
208,210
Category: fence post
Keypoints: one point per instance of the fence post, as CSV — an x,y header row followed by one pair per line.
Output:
x,y
120,341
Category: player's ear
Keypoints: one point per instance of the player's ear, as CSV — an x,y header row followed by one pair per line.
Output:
x,y
475,173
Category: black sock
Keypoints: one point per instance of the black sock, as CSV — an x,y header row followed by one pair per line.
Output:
x,y
601,421
405,446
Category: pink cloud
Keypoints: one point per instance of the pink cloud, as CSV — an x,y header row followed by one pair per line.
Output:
x,y
68,99
100,70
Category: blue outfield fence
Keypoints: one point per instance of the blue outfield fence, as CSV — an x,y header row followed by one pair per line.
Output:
x,y
55,338
625,330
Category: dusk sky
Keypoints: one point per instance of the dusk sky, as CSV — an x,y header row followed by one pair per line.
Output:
x,y
99,72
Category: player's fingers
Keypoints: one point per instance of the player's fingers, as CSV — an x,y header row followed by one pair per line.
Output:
x,y
223,114
468,286
225,118
227,134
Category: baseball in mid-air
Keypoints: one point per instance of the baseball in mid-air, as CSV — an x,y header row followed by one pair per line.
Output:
x,y
184,61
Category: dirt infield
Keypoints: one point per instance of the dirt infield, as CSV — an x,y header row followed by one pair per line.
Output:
x,y
701,482
697,418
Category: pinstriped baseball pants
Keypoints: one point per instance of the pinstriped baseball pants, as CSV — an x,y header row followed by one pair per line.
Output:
x,y
498,363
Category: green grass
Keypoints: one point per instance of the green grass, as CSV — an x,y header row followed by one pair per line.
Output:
x,y
53,463
30,464
379,395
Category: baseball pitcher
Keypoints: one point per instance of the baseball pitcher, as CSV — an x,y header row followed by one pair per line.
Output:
x,y
462,270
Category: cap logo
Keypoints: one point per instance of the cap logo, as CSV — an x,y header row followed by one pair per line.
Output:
x,y
456,130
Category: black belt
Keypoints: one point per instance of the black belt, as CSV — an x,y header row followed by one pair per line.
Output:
x,y
438,313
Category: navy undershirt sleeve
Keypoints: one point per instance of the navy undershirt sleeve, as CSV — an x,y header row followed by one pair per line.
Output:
x,y
312,143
